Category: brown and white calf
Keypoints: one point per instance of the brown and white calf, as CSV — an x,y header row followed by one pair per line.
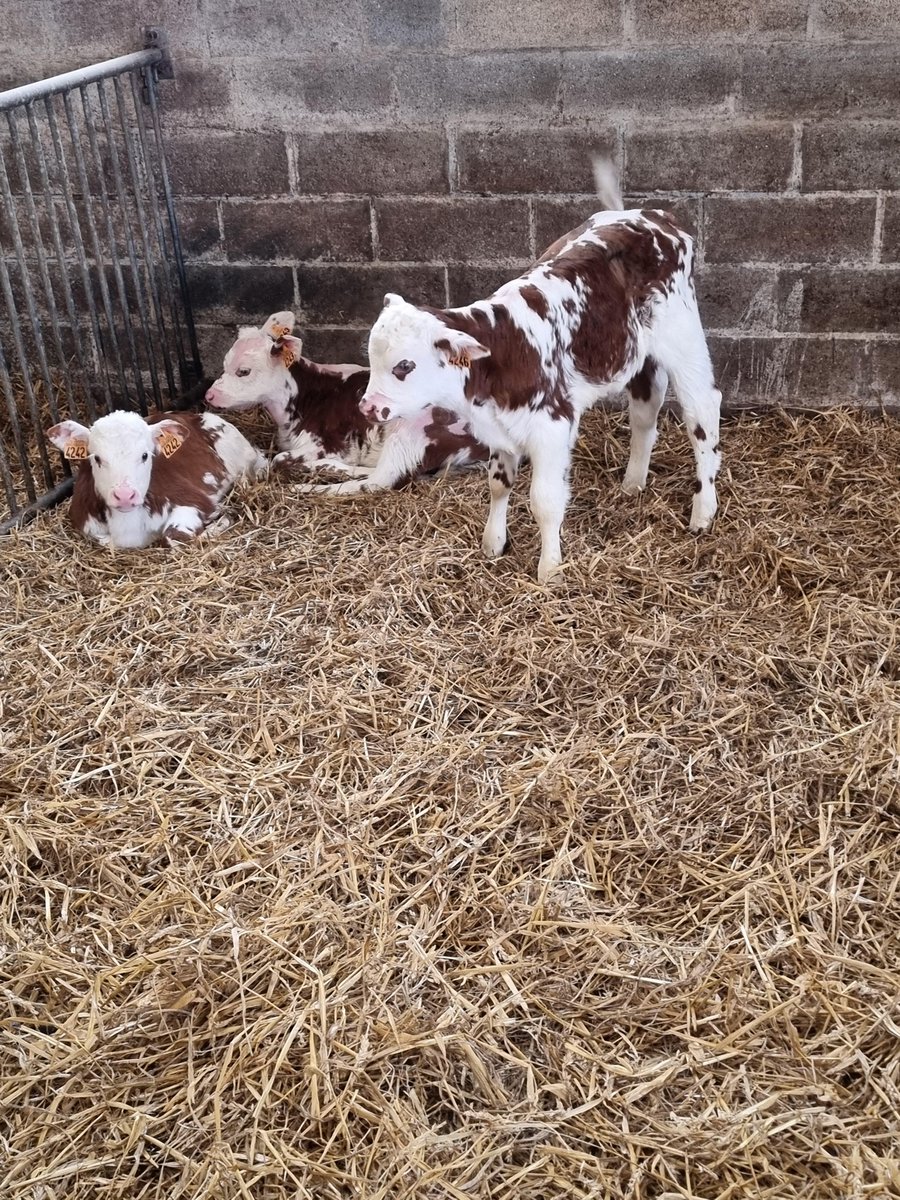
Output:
x,y
159,479
316,411
608,307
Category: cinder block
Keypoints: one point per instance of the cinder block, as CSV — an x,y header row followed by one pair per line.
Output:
x,y
339,295
850,156
738,298
790,371
198,224
863,301
452,230
886,372
405,22
234,164
553,218
266,31
789,229
469,282
890,251
849,19
651,80
200,92
515,24
245,295
300,230
536,160
689,21
432,87
846,80
287,94
706,159
380,162
340,345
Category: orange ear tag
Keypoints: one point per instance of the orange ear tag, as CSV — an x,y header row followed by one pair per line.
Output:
x,y
287,357
76,451
460,360
280,331
169,443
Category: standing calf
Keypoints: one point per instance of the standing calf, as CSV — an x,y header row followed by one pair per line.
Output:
x,y
316,410
162,478
609,306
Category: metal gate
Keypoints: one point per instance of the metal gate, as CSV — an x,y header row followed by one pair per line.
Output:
x,y
97,314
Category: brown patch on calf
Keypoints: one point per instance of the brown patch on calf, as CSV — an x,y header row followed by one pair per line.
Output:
x,y
447,437
641,384
618,277
179,478
510,374
327,406
555,247
699,433
535,299
86,502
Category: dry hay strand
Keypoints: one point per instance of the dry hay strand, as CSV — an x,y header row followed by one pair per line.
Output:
x,y
340,863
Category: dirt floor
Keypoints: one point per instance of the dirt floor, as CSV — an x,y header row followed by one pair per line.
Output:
x,y
340,863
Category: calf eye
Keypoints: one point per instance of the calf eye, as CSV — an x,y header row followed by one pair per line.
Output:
x,y
242,372
144,456
403,368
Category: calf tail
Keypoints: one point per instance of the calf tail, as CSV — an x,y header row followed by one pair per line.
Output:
x,y
606,181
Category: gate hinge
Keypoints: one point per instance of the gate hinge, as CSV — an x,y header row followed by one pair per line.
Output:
x,y
156,38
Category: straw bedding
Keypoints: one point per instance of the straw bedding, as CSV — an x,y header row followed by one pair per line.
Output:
x,y
340,863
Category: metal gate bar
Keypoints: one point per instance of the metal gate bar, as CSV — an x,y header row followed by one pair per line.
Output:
x,y
97,313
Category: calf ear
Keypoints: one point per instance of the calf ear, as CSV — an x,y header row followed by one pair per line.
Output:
x,y
279,325
288,349
460,349
391,298
167,436
71,438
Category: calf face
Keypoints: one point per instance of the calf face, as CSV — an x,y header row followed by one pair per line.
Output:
x,y
257,367
416,362
119,450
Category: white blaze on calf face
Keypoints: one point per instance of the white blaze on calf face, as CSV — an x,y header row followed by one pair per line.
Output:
x,y
119,449
415,361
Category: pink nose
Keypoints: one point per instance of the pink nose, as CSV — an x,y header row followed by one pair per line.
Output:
x,y
212,396
375,406
124,494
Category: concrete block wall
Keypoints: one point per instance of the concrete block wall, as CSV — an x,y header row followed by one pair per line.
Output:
x,y
324,154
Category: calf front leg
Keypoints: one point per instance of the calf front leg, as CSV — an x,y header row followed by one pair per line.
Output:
x,y
502,471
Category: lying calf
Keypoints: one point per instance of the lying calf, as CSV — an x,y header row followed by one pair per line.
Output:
x,y
610,306
160,479
316,410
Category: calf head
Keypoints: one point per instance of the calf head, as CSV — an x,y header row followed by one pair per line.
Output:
x,y
257,367
119,449
416,361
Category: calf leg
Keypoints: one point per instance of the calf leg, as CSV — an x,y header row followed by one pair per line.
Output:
x,y
550,464
700,403
502,471
401,458
648,390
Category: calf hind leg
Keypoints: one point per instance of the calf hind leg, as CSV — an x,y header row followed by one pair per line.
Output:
x,y
700,402
647,391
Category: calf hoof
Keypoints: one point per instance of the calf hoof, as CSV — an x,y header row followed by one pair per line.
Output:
x,y
549,572
632,486
493,547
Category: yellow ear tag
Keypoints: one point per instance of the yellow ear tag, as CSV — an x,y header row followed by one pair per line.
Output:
x,y
76,451
287,357
169,443
460,360
280,331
